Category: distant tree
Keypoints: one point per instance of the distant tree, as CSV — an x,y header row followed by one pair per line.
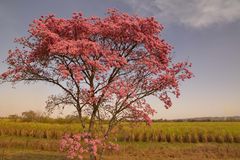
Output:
x,y
106,67
14,117
71,118
30,116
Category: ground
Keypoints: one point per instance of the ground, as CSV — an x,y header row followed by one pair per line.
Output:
x,y
142,151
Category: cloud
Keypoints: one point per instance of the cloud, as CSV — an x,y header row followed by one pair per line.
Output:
x,y
193,13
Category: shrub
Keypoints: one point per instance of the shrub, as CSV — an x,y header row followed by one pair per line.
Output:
x,y
194,138
237,138
169,138
228,138
136,137
202,137
178,138
210,138
161,137
186,138
144,137
219,139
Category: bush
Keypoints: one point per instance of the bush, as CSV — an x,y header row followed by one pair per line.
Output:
x,y
169,138
210,138
194,138
202,137
237,138
178,138
136,137
186,138
228,138
144,137
161,137
219,139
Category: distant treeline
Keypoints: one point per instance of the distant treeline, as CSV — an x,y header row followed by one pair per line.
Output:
x,y
32,116
203,119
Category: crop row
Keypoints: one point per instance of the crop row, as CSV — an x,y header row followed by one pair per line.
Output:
x,y
160,132
193,137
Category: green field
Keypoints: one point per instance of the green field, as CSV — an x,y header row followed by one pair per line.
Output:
x,y
182,132
163,140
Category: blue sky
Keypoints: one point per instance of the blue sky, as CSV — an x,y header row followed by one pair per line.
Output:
x,y
204,32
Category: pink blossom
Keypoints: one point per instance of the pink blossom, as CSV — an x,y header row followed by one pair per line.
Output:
x,y
105,65
76,145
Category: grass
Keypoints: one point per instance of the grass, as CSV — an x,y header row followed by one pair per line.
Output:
x,y
14,154
144,151
163,140
29,143
182,132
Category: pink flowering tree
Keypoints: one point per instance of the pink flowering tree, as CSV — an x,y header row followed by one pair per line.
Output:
x,y
106,67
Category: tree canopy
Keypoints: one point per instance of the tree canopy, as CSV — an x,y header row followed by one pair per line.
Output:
x,y
106,67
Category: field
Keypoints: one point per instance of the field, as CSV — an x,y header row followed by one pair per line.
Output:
x,y
163,140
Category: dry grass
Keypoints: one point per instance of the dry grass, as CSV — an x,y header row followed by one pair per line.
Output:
x,y
146,151
162,141
181,132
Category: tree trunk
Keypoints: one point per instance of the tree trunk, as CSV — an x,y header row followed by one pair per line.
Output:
x,y
91,128
92,157
101,154
81,118
92,120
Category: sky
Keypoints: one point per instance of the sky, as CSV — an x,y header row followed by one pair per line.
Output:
x,y
204,32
